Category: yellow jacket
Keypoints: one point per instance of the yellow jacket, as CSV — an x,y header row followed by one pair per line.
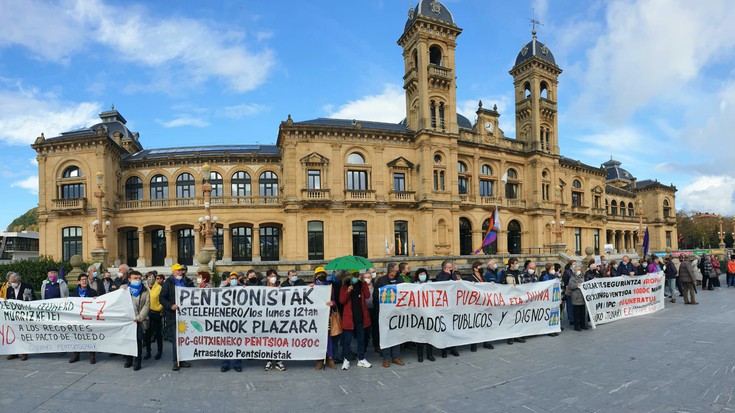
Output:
x,y
155,293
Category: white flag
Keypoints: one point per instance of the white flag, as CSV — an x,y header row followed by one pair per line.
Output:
x,y
504,178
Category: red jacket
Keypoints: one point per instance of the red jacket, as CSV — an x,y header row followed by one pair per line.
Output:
x,y
344,298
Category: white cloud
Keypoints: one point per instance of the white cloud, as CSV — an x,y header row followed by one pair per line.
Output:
x,y
181,51
183,120
388,106
710,193
26,112
242,110
506,106
30,184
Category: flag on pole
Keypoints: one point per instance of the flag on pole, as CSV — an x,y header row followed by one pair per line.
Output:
x,y
399,246
504,178
61,273
645,244
492,231
413,247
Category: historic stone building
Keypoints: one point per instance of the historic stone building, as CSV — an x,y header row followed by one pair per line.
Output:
x,y
329,187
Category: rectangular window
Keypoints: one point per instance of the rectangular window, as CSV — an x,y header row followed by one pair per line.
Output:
x,y
269,238
218,239
597,241
511,191
357,180
71,242
400,238
242,244
597,201
131,244
578,241
462,185
72,191
314,180
216,189
185,246
133,192
399,182
668,239
315,239
159,191
545,192
576,199
486,187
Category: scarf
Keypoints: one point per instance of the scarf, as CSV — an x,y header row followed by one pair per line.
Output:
x,y
135,291
81,291
179,283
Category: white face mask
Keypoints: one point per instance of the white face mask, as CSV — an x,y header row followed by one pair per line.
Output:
x,y
368,280
374,274
578,272
272,280
178,277
552,272
495,266
199,280
531,271
14,285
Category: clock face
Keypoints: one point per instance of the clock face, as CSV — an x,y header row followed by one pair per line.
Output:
x,y
489,126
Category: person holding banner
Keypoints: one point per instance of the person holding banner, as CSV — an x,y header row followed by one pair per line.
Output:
x,y
18,290
168,301
320,278
155,315
448,274
574,289
670,272
687,279
477,277
568,273
53,287
355,318
292,279
367,278
491,272
422,277
271,281
83,290
141,304
391,278
225,364
93,279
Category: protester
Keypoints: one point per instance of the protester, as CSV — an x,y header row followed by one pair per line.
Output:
x,y
568,272
687,279
390,353
272,282
404,272
708,273
83,290
168,301
640,267
292,279
477,277
108,285
448,274
355,318
204,279
626,267
141,304
19,291
320,278
155,316
529,273
731,272
611,271
94,280
225,364
575,290
670,273
53,287
367,278
512,272
653,267
592,272
122,278
548,273
716,266
422,277
491,272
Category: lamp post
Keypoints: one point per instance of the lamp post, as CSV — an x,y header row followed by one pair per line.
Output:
x,y
557,224
721,234
639,247
207,223
99,254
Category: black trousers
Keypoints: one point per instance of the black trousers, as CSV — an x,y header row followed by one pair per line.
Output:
x,y
155,331
580,320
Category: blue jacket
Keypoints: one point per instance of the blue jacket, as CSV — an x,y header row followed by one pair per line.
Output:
x,y
626,269
490,276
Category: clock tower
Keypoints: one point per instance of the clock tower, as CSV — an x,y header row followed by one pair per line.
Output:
x,y
535,77
428,42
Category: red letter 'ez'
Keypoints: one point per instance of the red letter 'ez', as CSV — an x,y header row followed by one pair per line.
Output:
x,y
81,312
100,312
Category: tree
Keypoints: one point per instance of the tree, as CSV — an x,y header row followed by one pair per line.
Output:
x,y
25,222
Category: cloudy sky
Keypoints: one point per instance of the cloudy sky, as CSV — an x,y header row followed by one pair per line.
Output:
x,y
649,82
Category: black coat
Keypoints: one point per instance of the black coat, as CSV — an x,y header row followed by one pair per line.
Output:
x,y
288,283
91,292
168,295
25,292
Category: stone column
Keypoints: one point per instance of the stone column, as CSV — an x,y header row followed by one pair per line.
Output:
x,y
256,243
197,245
141,248
226,245
169,248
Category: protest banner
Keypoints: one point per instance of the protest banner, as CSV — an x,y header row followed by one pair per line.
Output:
x,y
104,324
289,323
454,313
615,298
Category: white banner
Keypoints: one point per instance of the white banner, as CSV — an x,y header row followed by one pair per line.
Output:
x,y
289,323
454,313
615,298
104,324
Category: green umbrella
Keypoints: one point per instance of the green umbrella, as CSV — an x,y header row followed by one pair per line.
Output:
x,y
349,262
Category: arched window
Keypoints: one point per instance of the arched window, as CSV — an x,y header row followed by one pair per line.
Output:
x,y
240,185
512,174
576,184
185,185
527,90
631,211
463,179
465,237
514,237
622,208
577,193
268,184
486,170
72,172
159,187
614,207
461,167
667,209
544,90
435,55
432,108
356,159
215,179
133,189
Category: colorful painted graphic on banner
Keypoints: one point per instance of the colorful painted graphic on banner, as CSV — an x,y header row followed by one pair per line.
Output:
x,y
289,323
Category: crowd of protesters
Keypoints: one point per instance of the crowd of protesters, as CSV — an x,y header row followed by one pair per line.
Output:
x,y
355,297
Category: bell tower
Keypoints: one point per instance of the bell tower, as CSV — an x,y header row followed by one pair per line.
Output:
x,y
536,77
428,42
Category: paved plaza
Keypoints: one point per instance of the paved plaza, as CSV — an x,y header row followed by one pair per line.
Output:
x,y
678,360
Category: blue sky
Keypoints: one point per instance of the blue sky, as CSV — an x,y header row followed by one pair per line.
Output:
x,y
650,82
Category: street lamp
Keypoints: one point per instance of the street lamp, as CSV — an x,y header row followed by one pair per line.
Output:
x,y
207,224
557,224
721,234
100,231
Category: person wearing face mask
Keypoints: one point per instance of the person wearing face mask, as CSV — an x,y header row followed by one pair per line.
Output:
x,y
368,279
53,287
83,290
155,330
422,277
251,278
168,301
491,272
575,291
19,291
321,279
292,279
447,274
232,281
141,304
94,279
512,273
204,279
122,279
592,272
549,273
391,278
355,318
271,277
373,273
107,285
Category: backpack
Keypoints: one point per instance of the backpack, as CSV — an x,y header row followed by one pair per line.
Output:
x,y
731,266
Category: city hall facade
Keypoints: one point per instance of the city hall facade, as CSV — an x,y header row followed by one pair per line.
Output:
x,y
330,187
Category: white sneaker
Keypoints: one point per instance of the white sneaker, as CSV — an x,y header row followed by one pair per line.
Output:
x,y
364,363
346,364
